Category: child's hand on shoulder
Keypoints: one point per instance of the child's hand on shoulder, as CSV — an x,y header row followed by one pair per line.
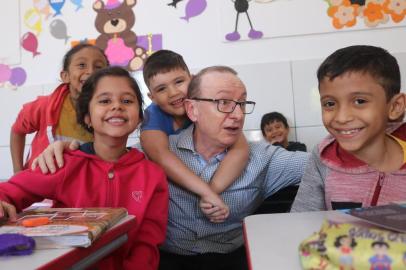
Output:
x,y
7,210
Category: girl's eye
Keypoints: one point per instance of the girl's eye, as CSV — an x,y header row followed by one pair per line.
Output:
x,y
82,65
127,101
104,101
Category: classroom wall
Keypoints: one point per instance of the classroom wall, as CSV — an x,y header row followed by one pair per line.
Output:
x,y
278,70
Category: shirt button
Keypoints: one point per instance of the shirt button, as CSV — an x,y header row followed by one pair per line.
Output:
x,y
110,174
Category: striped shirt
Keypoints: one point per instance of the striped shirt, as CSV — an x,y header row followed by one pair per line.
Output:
x,y
269,169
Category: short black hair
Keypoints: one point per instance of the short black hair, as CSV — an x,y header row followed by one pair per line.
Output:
x,y
89,87
375,61
271,117
69,54
163,61
380,244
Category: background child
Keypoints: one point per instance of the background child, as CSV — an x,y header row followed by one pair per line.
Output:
x,y
105,173
359,164
167,77
275,130
53,117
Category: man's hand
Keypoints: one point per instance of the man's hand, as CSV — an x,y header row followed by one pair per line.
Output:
x,y
9,210
214,208
53,152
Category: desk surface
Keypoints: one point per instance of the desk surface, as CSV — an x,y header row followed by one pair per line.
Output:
x,y
272,240
72,258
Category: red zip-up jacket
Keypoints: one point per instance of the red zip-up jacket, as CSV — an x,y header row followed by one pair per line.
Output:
x,y
87,181
41,116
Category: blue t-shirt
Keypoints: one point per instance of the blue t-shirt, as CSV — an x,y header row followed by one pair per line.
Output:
x,y
156,119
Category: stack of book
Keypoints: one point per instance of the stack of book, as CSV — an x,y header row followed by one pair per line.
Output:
x,y
67,227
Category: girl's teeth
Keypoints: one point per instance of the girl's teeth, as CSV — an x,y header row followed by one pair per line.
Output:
x,y
116,120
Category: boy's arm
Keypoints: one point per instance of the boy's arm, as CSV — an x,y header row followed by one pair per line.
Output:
x,y
156,145
231,167
17,144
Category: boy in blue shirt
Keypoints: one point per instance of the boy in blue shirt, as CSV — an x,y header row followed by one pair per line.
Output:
x,y
167,77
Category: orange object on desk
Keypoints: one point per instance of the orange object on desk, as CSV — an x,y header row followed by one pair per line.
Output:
x,y
33,222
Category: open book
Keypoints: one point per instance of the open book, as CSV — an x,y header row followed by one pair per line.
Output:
x,y
391,216
68,227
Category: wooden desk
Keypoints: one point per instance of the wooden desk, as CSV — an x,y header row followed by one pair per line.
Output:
x,y
72,258
272,240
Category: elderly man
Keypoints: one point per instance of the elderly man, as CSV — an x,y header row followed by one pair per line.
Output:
x,y
217,104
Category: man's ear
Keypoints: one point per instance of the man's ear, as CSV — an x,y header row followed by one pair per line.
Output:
x,y
191,109
64,76
397,107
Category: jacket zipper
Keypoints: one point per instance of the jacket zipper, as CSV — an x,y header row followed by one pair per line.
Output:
x,y
377,190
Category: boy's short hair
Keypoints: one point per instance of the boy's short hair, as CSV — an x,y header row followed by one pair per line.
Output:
x,y
271,117
162,61
375,61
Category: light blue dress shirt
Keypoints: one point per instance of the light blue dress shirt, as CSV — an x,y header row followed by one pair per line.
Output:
x,y
269,169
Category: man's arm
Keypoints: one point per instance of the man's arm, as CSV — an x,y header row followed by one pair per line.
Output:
x,y
285,168
311,193
17,144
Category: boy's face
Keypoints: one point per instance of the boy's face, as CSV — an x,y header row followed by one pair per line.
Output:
x,y
276,132
355,111
168,90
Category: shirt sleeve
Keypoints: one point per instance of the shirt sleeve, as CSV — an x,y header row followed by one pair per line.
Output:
x,y
156,119
29,117
310,196
28,187
285,168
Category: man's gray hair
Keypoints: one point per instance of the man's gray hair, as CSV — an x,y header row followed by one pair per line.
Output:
x,y
194,85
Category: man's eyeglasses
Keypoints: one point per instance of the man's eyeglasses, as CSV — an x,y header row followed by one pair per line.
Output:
x,y
228,105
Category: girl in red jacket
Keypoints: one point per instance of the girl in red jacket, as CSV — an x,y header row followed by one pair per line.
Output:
x,y
104,173
53,117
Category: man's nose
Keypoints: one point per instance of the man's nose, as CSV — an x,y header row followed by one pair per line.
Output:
x,y
238,112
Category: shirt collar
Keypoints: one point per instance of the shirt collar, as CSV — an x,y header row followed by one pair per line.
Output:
x,y
186,142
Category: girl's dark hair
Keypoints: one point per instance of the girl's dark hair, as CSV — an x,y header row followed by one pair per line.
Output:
x,y
337,242
375,61
68,56
271,117
89,87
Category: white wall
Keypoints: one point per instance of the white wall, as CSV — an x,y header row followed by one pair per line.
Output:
x,y
279,72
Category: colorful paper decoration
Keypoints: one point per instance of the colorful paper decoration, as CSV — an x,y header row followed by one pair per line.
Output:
x,y
58,30
30,43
